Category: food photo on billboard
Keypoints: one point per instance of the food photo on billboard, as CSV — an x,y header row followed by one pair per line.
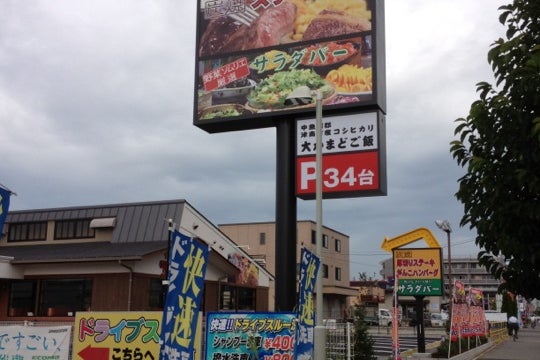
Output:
x,y
252,54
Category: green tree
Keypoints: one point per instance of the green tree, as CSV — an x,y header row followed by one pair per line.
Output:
x,y
499,145
509,305
363,342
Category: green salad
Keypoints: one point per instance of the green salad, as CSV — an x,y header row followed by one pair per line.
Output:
x,y
221,113
272,91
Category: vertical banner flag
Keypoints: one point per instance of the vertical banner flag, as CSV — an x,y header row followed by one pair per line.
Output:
x,y
477,317
459,318
4,206
187,268
309,268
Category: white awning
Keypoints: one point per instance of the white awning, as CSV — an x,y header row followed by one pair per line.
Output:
x,y
103,222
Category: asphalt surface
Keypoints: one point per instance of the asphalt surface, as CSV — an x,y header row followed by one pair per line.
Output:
x,y
407,339
526,347
407,331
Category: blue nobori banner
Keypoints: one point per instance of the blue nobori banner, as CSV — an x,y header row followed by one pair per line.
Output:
x,y
187,267
309,268
4,206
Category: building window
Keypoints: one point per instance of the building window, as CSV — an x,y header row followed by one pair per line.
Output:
x,y
338,245
262,238
59,297
325,241
156,298
325,271
338,274
246,299
226,298
313,237
73,229
52,297
234,298
22,298
30,231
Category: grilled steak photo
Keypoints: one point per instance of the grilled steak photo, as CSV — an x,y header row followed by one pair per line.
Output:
x,y
330,23
223,34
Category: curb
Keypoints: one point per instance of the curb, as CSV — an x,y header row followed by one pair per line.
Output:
x,y
468,355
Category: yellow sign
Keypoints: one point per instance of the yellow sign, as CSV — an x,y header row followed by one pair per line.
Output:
x,y
410,237
417,263
418,271
117,335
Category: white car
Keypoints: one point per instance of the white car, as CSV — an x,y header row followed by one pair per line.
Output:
x,y
437,320
444,315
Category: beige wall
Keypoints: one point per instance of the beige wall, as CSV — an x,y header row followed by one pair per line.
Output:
x,y
248,235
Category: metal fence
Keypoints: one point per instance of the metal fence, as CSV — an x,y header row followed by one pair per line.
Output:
x,y
340,341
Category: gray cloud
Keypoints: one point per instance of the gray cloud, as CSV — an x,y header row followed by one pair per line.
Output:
x,y
96,102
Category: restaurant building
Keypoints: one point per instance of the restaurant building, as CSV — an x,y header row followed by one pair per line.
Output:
x,y
55,262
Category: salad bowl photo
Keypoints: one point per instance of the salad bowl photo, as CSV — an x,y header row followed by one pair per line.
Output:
x,y
271,93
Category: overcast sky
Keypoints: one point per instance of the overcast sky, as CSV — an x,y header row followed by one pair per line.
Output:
x,y
96,102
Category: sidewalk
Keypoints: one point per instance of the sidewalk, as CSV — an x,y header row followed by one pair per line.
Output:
x,y
526,347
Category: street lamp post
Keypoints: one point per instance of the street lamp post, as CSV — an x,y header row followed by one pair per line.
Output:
x,y
320,331
300,96
444,225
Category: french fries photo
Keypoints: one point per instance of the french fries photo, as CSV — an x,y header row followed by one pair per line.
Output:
x,y
350,79
307,10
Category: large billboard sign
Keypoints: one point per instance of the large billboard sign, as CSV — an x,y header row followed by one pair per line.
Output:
x,y
252,53
354,156
418,271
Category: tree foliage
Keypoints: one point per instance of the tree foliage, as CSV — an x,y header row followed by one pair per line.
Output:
x,y
499,145
363,342
509,305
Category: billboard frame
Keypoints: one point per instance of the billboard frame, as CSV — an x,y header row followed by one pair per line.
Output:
x,y
272,118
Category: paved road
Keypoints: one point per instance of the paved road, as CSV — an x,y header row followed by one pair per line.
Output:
x,y
526,347
383,344
407,339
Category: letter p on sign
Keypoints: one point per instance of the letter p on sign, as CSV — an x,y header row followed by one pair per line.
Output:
x,y
307,174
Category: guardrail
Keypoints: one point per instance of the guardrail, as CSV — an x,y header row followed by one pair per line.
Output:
x,y
498,332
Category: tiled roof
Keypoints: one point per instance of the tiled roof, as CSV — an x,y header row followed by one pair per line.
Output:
x,y
135,222
140,229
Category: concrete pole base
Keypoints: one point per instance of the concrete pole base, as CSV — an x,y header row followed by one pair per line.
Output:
x,y
319,350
